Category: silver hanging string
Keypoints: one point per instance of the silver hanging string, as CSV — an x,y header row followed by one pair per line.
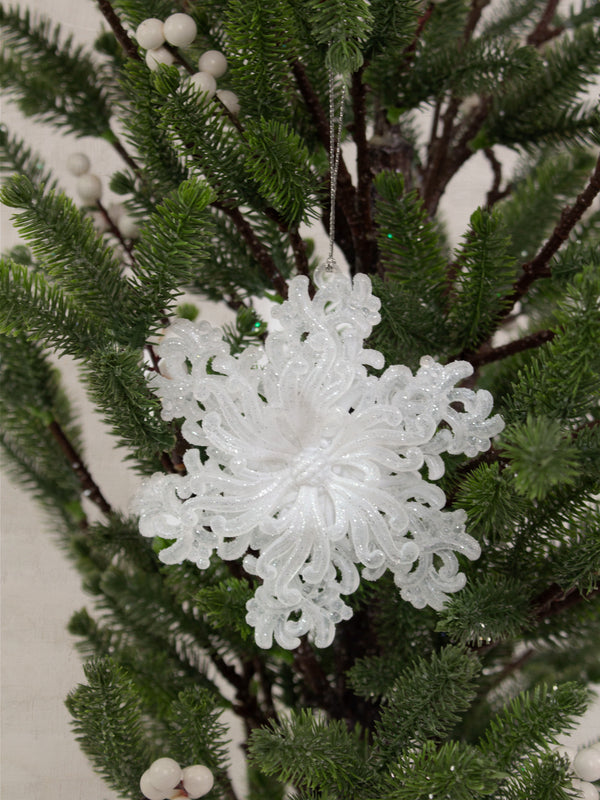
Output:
x,y
335,149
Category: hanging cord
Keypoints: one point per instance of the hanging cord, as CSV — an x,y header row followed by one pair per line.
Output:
x,y
335,149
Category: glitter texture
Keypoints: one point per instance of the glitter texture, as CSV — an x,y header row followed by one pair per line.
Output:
x,y
312,466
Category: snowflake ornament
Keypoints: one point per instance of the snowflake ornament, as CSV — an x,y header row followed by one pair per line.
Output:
x,y
312,467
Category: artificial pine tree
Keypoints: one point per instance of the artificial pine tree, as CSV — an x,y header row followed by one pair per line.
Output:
x,y
414,697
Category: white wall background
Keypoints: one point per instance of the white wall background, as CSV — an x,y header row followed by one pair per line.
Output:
x,y
40,590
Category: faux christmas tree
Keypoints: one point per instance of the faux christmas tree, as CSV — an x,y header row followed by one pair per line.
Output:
x,y
392,584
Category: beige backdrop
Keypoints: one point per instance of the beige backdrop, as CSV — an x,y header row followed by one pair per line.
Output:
x,y
40,590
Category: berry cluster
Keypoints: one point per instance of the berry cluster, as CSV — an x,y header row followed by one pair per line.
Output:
x,y
166,780
179,30
585,764
89,188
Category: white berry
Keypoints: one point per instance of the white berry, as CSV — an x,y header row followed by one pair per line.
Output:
x,y
150,33
198,780
78,164
100,221
587,791
128,227
180,30
165,774
229,100
204,83
213,61
149,790
587,764
89,187
116,211
159,56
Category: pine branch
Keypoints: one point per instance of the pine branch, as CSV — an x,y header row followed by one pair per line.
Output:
x,y
90,488
121,34
321,692
539,266
543,30
367,253
117,145
495,193
299,249
554,600
117,234
487,354
256,246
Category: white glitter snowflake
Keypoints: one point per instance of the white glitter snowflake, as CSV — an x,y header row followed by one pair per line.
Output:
x,y
312,466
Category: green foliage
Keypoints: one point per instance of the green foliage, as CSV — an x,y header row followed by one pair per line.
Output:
x,y
310,753
248,330
512,19
394,25
531,721
488,496
136,11
577,564
545,777
204,136
401,632
399,708
451,770
31,306
117,385
224,607
485,271
479,66
159,171
562,379
260,47
405,333
412,257
31,400
490,608
71,253
545,109
171,247
196,735
426,701
279,163
231,269
410,246
16,156
542,456
540,190
344,26
51,79
108,725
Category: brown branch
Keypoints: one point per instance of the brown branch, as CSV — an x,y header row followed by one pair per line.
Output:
x,y
119,31
475,13
366,248
487,354
125,155
542,31
179,58
299,249
495,193
257,248
117,234
553,600
539,266
306,664
511,667
89,487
